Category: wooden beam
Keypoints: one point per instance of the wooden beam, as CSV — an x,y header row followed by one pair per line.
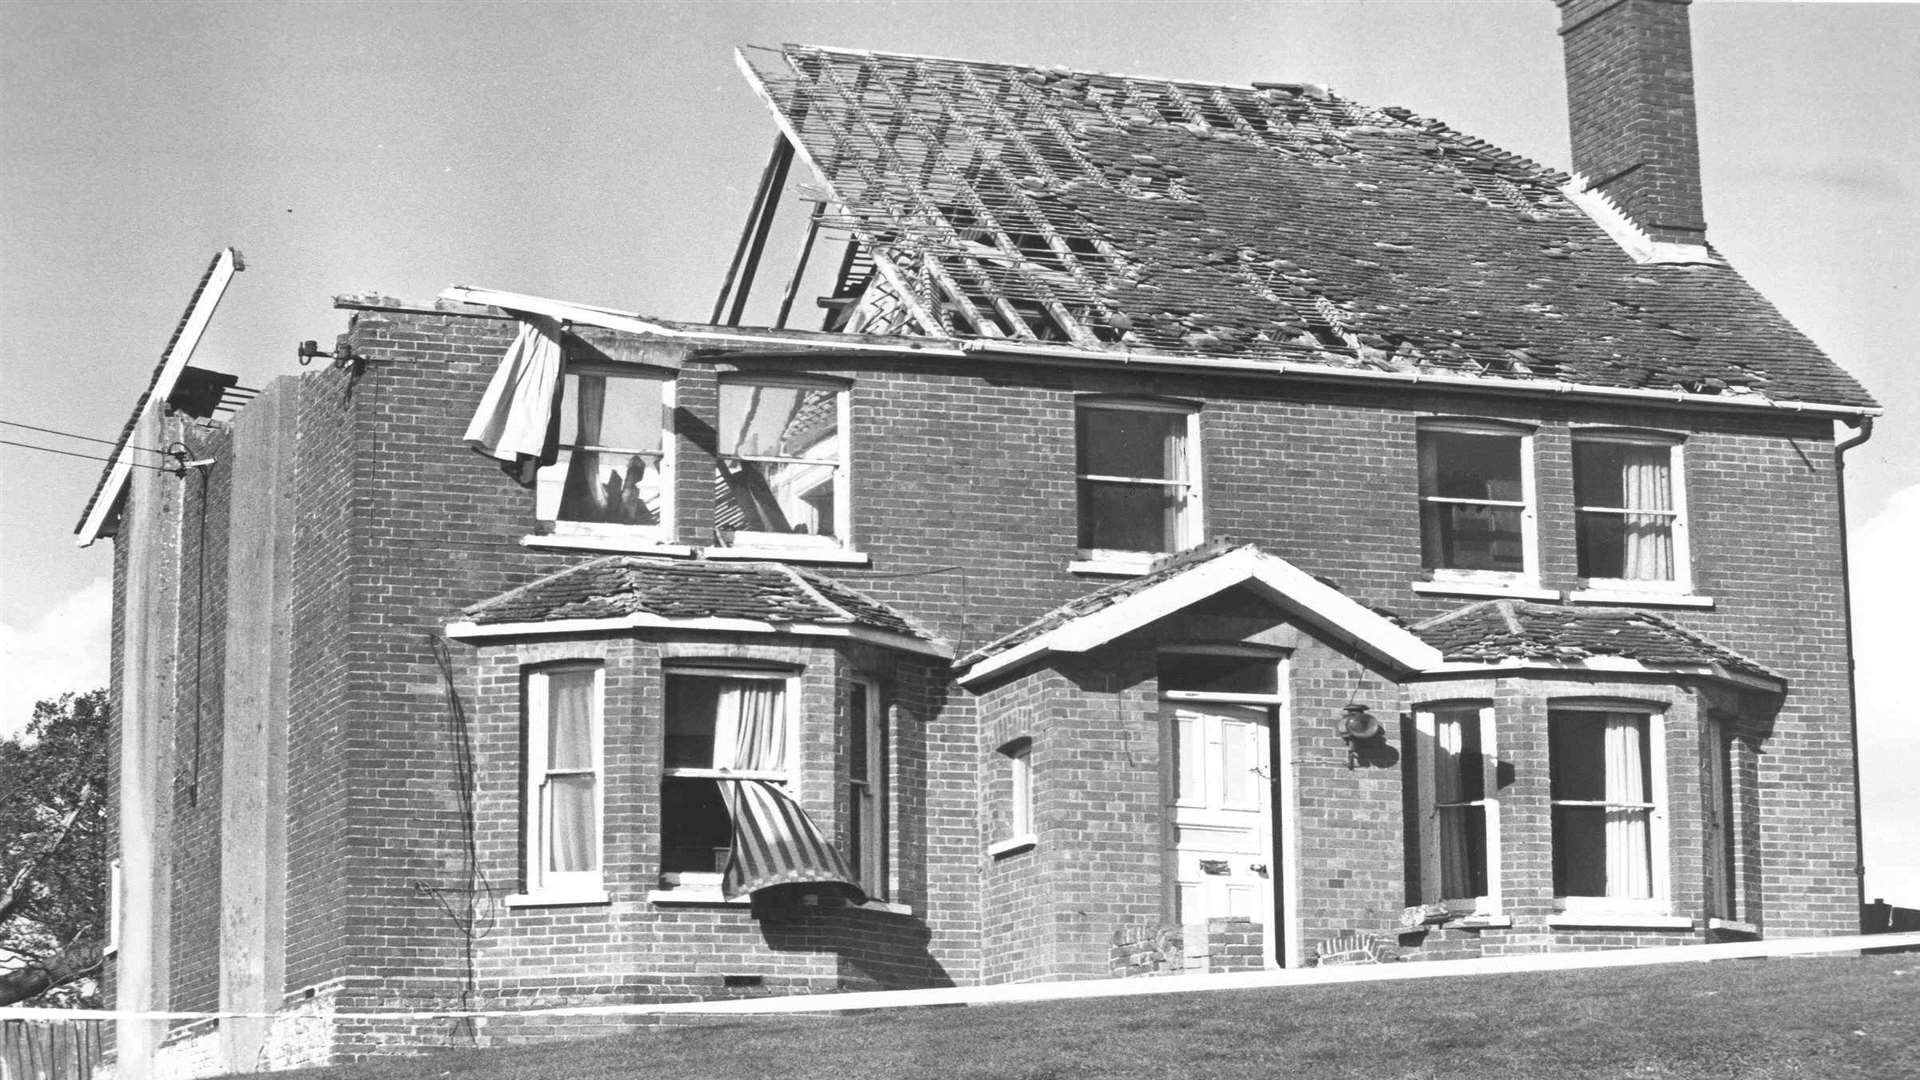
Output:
x,y
753,234
800,264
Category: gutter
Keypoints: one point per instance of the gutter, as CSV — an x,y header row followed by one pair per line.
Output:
x,y
1853,683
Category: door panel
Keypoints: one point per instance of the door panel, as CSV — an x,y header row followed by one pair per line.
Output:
x,y
1222,832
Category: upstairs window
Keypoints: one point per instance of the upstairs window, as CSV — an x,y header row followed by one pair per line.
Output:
x,y
1626,495
1476,500
614,470
782,468
564,791
1606,786
720,724
1138,475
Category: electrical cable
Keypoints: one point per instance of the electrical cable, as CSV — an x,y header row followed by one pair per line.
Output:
x,y
73,435
88,457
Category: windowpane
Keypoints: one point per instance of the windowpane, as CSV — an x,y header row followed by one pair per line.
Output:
x,y
1611,480
1461,536
857,733
1190,762
1132,442
606,410
1467,465
777,421
611,445
1463,852
1601,779
1579,851
695,829
1130,517
771,496
1218,674
691,705
571,823
570,720
778,497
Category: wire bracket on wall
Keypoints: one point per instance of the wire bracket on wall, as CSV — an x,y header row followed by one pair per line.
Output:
x,y
181,459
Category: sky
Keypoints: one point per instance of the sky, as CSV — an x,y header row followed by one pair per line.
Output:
x,y
607,153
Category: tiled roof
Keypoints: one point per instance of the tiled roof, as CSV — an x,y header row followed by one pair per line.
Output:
x,y
1269,222
623,585
1496,630
1105,597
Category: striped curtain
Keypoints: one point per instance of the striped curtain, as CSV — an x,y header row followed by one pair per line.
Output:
x,y
774,841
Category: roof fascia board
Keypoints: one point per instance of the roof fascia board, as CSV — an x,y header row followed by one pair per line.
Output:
x,y
631,323
192,328
1287,583
1005,350
1612,665
468,630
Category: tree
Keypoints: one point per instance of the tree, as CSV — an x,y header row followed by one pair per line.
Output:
x,y
53,852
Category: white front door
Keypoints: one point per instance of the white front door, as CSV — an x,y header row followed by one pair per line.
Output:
x,y
1223,812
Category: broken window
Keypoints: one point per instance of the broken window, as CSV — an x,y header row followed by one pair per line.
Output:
x,y
563,779
721,725
1476,510
1604,778
613,467
1459,809
1627,508
782,463
1138,476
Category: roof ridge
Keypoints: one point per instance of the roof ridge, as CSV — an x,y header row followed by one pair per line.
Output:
x,y
800,578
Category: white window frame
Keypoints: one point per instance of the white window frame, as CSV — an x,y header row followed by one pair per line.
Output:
x,y
1528,576
1602,588
550,484
543,885
868,797
1427,719
1192,530
1016,757
115,884
840,461
1658,840
708,882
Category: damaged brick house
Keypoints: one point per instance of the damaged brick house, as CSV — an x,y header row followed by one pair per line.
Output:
x,y
1231,508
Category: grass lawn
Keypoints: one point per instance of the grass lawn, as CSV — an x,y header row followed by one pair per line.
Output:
x,y
1810,1019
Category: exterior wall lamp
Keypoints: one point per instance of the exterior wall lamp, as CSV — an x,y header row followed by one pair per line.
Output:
x,y
1359,729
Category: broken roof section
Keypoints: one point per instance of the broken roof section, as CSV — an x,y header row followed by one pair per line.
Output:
x,y
1499,631
625,592
1280,222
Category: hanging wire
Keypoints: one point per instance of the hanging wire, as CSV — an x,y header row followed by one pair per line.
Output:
x,y
88,457
72,435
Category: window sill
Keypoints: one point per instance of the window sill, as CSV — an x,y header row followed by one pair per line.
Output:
x,y
1734,926
695,896
1113,565
790,554
619,544
1639,598
1516,590
580,898
1012,845
1626,920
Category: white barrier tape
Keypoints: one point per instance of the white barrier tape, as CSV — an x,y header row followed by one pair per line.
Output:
x,y
1007,993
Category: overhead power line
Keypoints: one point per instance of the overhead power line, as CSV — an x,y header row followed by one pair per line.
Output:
x,y
70,453
73,435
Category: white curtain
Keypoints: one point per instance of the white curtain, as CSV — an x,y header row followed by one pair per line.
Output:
x,y
1646,484
750,732
1456,873
516,412
587,495
1176,469
1629,872
570,780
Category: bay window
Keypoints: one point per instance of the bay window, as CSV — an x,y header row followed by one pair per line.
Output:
x,y
564,788
1459,808
1607,784
1138,476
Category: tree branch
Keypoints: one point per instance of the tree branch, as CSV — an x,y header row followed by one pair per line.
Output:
x,y
15,893
81,957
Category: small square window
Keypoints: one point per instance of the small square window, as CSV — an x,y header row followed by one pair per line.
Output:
x,y
1476,501
782,471
1138,476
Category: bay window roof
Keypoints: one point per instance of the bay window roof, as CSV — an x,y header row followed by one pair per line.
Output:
x,y
1506,631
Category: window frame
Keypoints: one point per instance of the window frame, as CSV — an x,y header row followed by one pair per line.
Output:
x,y
1528,576
1427,720
1015,757
1658,901
1191,527
585,886
708,882
841,463
869,813
1682,580
550,482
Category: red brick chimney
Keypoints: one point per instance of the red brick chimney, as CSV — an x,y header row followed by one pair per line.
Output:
x,y
1630,105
